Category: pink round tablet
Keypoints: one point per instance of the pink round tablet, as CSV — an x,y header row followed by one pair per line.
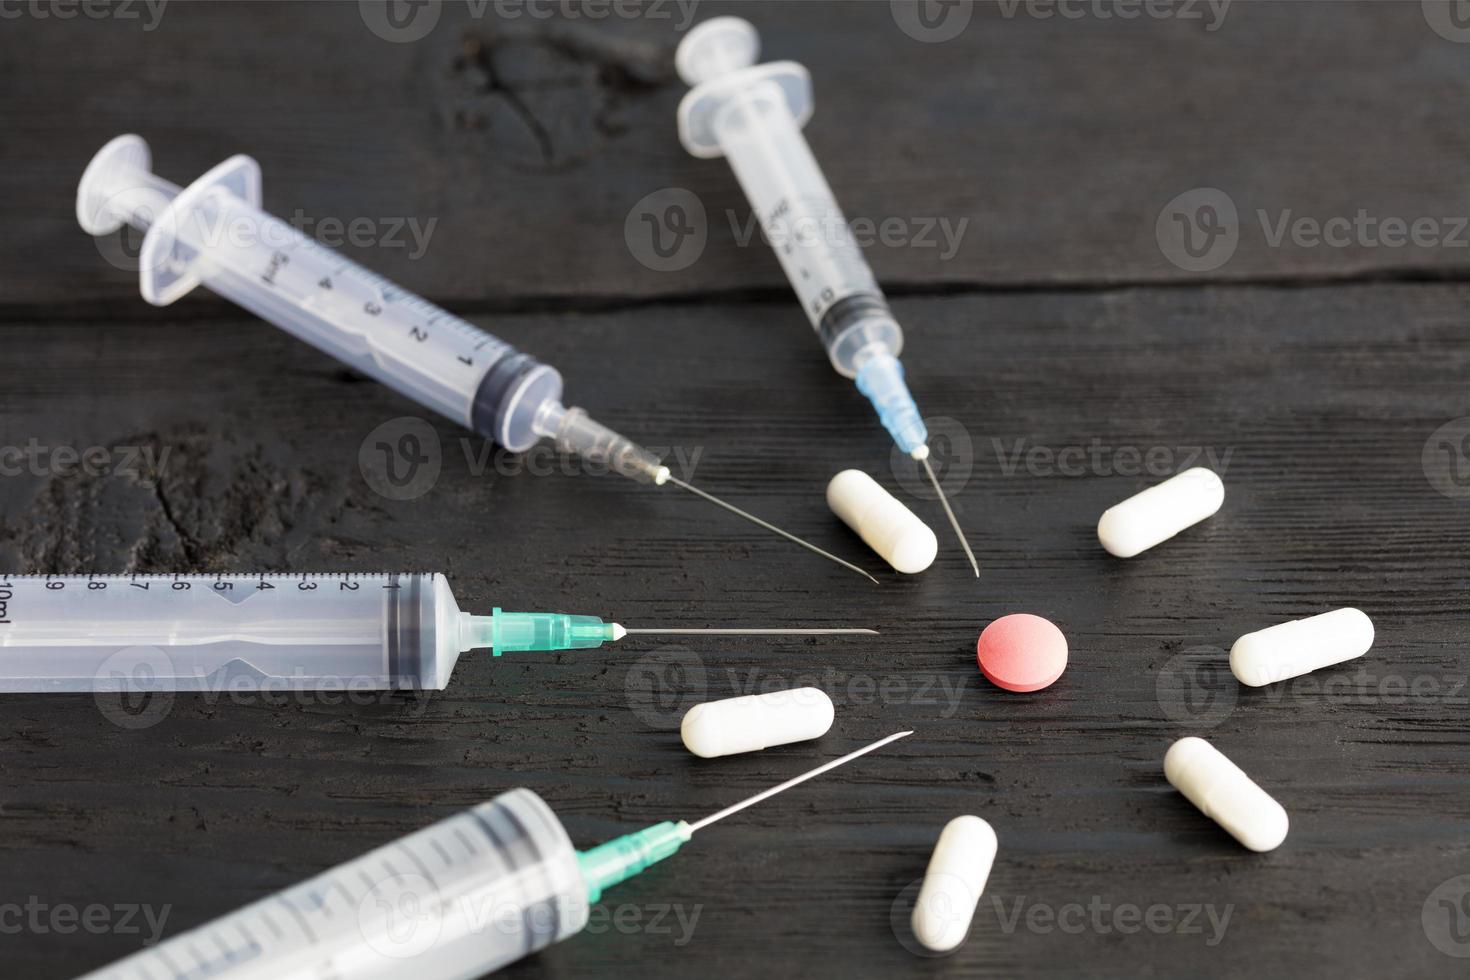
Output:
x,y
1021,652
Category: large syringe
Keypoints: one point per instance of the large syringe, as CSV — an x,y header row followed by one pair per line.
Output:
x,y
752,115
214,233
297,631
453,901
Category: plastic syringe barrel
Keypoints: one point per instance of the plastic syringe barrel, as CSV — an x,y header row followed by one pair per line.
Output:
x,y
753,116
227,633
214,233
454,901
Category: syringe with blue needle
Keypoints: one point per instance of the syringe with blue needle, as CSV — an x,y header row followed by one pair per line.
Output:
x,y
752,115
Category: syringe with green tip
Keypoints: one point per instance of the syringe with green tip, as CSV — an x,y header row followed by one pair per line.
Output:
x,y
623,857
456,900
505,632
267,631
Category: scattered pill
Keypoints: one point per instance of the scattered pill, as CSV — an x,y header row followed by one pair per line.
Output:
x,y
756,721
882,521
1225,794
1021,652
1300,646
953,883
1160,512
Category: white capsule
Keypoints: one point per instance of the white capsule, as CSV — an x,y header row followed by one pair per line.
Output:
x,y
1160,512
1225,794
953,883
756,721
1300,646
882,521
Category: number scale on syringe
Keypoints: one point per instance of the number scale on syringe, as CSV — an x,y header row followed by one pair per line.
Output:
x,y
465,895
298,631
335,304
817,252
270,632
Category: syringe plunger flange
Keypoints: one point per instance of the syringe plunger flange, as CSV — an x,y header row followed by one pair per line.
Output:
x,y
124,165
717,60
715,47
119,187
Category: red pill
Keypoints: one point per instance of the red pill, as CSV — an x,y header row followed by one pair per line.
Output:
x,y
1021,652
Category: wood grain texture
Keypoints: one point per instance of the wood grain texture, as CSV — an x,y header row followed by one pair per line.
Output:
x,y
1056,141
1316,401
1058,325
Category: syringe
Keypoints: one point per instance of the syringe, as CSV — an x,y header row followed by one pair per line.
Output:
x,y
214,233
753,115
274,632
456,900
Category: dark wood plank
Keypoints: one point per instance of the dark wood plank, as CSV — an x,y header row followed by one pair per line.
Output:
x,y
1054,142
1317,401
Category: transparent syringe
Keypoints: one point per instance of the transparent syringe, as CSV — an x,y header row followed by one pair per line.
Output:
x,y
456,900
753,115
273,632
214,233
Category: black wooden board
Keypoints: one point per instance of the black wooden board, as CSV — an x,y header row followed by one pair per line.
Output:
x,y
1060,324
1054,142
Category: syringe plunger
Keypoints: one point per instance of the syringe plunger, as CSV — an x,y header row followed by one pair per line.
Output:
x,y
119,187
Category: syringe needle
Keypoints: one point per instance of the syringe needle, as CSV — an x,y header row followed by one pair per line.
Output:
x,y
771,527
954,522
752,632
623,857
767,794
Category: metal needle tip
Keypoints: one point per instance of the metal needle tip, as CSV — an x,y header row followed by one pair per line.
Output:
x,y
771,527
752,632
767,794
954,522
